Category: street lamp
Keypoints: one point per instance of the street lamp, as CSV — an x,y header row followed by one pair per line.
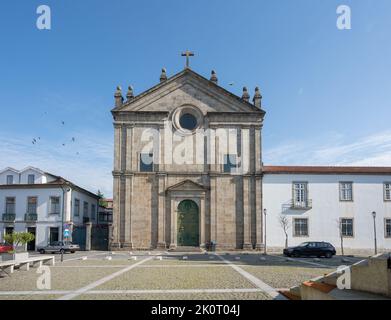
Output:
x,y
264,212
374,229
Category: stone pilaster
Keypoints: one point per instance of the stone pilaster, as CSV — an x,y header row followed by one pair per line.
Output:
x,y
127,243
114,241
161,212
258,150
88,236
246,213
213,209
129,149
259,213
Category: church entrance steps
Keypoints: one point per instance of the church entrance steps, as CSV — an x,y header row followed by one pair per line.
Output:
x,y
186,249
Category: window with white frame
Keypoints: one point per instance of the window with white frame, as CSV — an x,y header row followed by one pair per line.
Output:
x,y
300,194
347,227
32,205
93,208
387,191
10,205
387,228
76,208
54,205
10,179
30,179
346,191
300,227
85,209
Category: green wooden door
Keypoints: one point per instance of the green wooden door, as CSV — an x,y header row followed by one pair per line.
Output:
x,y
188,224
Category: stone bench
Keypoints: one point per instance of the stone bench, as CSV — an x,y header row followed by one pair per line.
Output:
x,y
35,261
7,266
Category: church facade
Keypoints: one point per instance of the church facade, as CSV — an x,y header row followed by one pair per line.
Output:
x,y
188,172
187,169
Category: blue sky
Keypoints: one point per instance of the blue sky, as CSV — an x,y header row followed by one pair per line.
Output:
x,y
327,92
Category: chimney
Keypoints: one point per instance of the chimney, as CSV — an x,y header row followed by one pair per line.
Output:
x,y
163,76
118,97
213,77
245,96
129,95
257,98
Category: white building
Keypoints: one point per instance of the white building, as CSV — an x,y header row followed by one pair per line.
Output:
x,y
33,200
318,201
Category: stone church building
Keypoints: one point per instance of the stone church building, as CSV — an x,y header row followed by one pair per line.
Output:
x,y
188,172
187,168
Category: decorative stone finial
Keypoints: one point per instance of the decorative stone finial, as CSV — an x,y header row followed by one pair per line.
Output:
x,y
163,76
245,96
213,77
257,98
118,97
129,95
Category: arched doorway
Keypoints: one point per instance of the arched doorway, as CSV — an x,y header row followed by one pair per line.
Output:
x,y
188,224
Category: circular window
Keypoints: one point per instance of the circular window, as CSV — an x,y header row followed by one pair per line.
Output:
x,y
188,121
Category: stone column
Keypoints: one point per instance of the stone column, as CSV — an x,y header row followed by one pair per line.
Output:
x,y
128,213
116,213
259,213
246,214
202,222
213,209
173,238
161,212
88,236
129,149
117,147
258,150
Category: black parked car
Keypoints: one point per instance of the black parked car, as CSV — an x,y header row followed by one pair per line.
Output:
x,y
308,249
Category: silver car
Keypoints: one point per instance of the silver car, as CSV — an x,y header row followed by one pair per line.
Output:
x,y
60,247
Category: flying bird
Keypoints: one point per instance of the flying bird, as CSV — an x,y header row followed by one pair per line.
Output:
x,y
63,122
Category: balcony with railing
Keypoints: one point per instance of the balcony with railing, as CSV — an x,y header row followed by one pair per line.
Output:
x,y
9,217
301,205
30,217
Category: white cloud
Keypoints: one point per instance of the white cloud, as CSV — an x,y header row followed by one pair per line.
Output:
x,y
334,149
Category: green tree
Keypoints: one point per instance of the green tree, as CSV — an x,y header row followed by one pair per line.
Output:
x,y
19,238
102,201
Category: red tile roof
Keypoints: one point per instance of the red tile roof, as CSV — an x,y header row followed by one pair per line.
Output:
x,y
326,170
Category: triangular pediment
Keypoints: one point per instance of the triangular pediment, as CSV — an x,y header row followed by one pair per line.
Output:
x,y
187,87
186,185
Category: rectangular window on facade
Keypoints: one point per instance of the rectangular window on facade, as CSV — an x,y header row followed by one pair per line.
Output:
x,y
32,205
346,191
93,208
300,227
10,179
54,205
230,163
10,205
9,230
387,191
300,194
347,227
85,209
30,179
54,235
76,209
387,227
146,162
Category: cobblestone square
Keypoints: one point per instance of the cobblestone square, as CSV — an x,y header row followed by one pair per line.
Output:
x,y
169,276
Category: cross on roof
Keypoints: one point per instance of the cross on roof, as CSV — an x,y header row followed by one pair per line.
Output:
x,y
187,54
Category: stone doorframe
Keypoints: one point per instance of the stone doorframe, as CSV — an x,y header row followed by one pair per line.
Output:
x,y
187,190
